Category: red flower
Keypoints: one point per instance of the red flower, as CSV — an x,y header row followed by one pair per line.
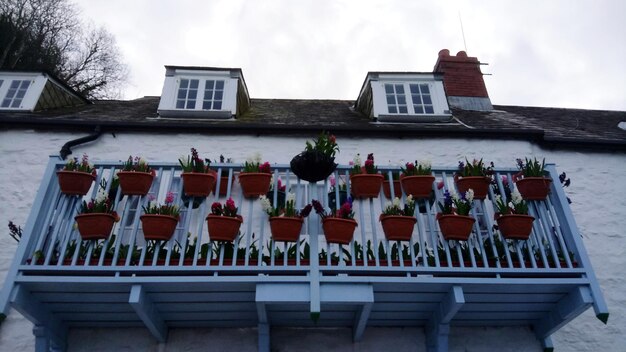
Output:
x,y
216,208
265,168
332,139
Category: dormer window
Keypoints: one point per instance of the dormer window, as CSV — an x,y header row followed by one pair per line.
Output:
x,y
202,92
15,94
404,97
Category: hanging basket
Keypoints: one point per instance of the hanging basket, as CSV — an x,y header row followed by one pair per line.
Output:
x,y
455,227
158,227
135,183
515,226
397,227
533,188
95,226
419,186
397,191
75,182
223,228
286,228
338,230
366,185
198,184
479,184
254,184
312,166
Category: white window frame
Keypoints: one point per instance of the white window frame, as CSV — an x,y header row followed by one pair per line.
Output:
x,y
200,94
409,103
16,91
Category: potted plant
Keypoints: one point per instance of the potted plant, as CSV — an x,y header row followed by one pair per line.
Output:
x,y
513,219
198,179
395,181
95,219
532,181
223,223
285,221
474,175
337,188
454,219
255,177
398,220
417,179
339,225
76,176
159,221
317,161
365,181
136,176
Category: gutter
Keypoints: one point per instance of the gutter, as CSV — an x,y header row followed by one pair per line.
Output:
x,y
66,148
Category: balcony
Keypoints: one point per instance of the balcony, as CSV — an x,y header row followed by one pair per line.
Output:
x,y
58,281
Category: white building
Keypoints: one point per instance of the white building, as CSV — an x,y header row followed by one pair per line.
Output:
x,y
444,115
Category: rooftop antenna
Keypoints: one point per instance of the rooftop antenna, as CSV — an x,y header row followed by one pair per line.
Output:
x,y
462,32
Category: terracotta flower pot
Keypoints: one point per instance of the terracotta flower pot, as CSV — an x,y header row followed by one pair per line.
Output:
x,y
480,185
533,188
158,227
198,184
286,228
223,228
515,226
397,228
419,186
254,184
75,182
397,191
455,227
366,185
338,230
135,183
95,226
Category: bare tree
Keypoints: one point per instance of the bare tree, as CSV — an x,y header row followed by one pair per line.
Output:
x,y
46,35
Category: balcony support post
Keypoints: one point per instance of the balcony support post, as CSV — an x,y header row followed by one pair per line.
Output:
x,y
147,312
314,229
264,337
438,327
568,308
360,322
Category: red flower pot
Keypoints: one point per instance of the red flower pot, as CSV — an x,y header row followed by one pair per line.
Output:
x,y
198,184
95,226
397,228
286,228
533,188
366,185
397,191
158,227
455,227
419,186
515,226
479,184
75,182
338,230
254,184
223,228
135,183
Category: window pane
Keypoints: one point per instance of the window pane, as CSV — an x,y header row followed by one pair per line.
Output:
x,y
403,109
391,100
217,105
427,99
219,84
429,109
191,104
418,109
16,103
193,84
184,83
25,85
209,84
414,89
392,109
1,81
206,105
182,94
11,93
218,95
20,93
208,95
15,84
399,88
192,94
388,89
416,99
6,103
180,104
401,99
424,89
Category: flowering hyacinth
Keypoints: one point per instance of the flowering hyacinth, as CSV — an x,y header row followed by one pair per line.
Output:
x,y
455,204
253,164
531,168
397,208
101,204
137,164
368,167
82,166
344,212
419,168
194,163
228,209
288,210
168,208
517,205
475,168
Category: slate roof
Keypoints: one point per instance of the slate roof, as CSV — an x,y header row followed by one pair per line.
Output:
x,y
552,127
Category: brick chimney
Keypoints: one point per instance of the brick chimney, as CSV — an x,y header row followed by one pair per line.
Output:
x,y
463,81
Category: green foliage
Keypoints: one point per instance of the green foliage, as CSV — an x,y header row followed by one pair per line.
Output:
x,y
532,168
326,144
474,168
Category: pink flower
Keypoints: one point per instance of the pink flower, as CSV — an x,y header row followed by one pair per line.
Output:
x,y
410,166
332,139
369,162
216,208
265,167
169,198
440,184
333,182
351,163
505,180
230,204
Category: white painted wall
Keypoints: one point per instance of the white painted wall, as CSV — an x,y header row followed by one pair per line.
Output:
x,y
597,193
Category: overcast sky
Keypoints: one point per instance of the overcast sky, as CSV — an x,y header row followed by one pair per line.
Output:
x,y
562,53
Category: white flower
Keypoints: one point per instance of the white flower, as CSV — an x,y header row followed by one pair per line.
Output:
x,y
265,204
498,198
469,195
396,202
454,195
101,196
425,164
357,160
516,197
409,199
257,157
291,197
153,204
